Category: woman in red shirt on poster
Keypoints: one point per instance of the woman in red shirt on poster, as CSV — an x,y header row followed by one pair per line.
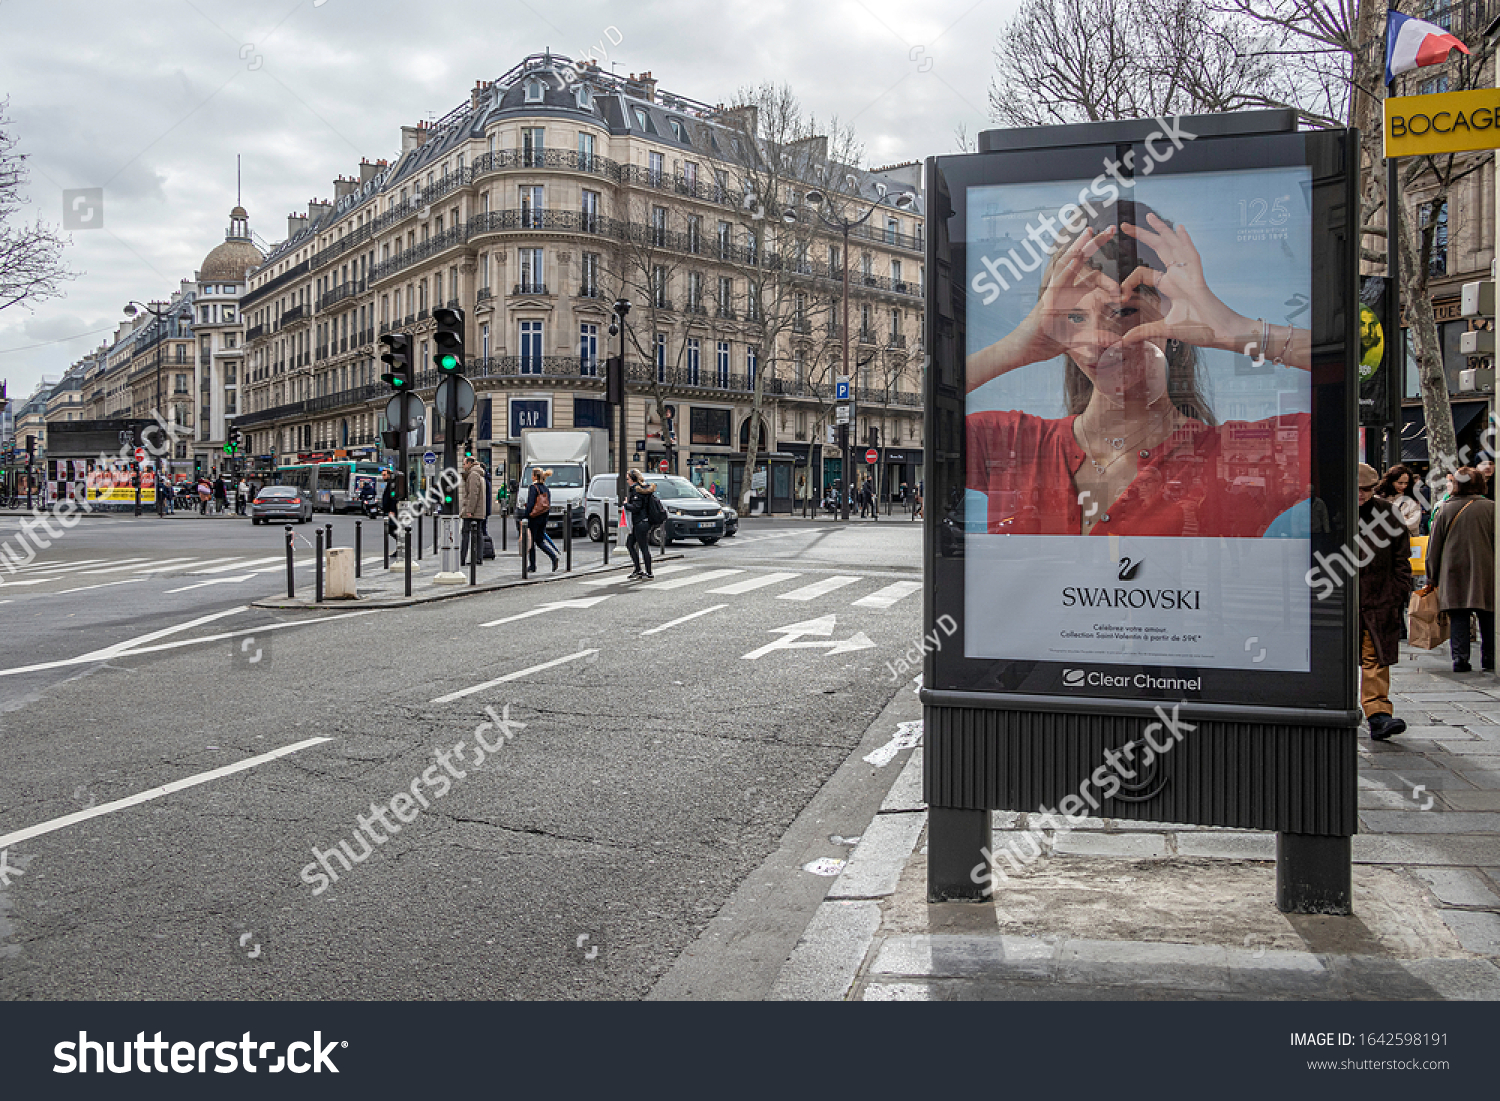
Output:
x,y
1128,307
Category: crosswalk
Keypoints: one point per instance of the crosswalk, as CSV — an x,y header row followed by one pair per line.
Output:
x,y
98,573
680,575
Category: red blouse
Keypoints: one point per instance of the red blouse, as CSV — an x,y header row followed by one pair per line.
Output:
x,y
1231,480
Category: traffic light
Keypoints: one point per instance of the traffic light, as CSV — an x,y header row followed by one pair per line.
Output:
x,y
232,441
463,436
30,449
197,465
397,357
448,339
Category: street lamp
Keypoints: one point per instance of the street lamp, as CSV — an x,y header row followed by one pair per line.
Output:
x,y
131,309
621,310
822,206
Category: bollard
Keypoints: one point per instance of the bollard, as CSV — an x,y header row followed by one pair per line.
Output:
x,y
291,564
318,570
522,533
419,536
407,559
328,539
356,548
568,535
385,542
605,539
476,548
504,529
436,523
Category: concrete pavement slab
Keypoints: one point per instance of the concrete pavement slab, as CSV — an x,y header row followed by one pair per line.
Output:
x,y
1477,931
1459,887
828,957
877,862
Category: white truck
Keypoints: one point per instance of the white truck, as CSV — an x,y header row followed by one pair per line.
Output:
x,y
574,455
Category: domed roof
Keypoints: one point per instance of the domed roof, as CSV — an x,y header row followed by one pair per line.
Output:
x,y
230,261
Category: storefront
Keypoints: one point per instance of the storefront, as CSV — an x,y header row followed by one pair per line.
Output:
x,y
900,464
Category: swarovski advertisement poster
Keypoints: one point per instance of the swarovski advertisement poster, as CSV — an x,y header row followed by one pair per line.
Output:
x,y
1138,477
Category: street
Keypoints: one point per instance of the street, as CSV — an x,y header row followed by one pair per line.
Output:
x,y
647,746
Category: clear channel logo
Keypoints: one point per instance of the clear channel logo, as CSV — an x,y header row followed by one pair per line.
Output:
x,y
1073,678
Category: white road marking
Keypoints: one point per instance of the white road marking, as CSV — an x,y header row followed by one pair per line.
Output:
x,y
818,588
586,602
48,567
684,619
884,598
154,793
210,581
660,571
517,675
204,562
129,565
691,579
822,626
110,651
242,565
753,583
101,585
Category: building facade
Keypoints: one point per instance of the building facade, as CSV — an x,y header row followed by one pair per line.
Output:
x,y
219,328
532,207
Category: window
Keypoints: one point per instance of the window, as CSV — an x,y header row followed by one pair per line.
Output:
x,y
590,413
588,350
585,97
660,343
533,146
659,288
896,280
752,247
799,366
656,165
694,360
726,296
695,291
532,216
752,365
678,130
531,347
585,142
1438,262
721,185
892,230
709,427
590,212
531,272
643,122
695,233
484,341
658,226
533,91
690,177
895,325
721,365
726,240
588,274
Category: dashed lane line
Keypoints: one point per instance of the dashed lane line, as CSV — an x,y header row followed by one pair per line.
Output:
x,y
517,675
683,619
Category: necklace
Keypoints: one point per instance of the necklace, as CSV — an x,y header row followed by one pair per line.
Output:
x,y
1118,443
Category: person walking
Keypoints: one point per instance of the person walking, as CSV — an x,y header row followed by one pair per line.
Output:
x,y
1396,488
536,511
390,501
1461,566
221,495
241,495
1384,585
639,504
205,494
473,499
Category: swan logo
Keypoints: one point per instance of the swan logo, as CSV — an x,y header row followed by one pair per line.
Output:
x,y
1073,678
1129,568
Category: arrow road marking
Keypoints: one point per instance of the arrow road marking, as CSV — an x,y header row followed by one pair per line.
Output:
x,y
210,581
822,626
556,605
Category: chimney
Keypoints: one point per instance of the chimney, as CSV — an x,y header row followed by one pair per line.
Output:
x,y
295,224
368,171
477,95
316,208
412,137
642,87
343,187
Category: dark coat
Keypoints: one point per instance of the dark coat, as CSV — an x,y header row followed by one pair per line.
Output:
x,y
1461,553
1385,580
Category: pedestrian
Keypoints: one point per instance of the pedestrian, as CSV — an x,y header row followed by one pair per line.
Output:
x,y
639,504
487,545
167,495
1461,566
1396,489
536,511
390,501
241,494
1486,468
1384,585
472,501
221,494
916,510
205,494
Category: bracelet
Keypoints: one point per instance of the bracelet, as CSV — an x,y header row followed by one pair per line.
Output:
x,y
1280,360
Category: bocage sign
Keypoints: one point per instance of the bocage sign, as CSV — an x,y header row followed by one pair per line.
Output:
x,y
1095,678
1445,122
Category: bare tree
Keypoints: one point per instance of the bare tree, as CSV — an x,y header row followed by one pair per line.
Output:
x,y
31,267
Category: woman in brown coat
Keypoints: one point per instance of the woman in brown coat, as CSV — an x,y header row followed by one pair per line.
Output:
x,y
1384,585
1461,562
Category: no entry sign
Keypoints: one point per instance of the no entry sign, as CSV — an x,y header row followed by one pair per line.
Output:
x,y
872,456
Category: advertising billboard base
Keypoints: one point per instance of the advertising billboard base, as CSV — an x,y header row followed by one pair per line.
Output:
x,y
1313,874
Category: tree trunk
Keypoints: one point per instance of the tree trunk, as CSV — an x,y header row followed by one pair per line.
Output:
x,y
1442,444
753,436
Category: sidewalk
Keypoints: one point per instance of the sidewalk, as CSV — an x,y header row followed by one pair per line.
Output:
x,y
1133,911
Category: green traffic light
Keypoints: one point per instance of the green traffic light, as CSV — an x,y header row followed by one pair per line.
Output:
x,y
448,362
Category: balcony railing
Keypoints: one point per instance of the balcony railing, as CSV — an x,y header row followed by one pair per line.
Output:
x,y
254,332
485,294
296,313
528,287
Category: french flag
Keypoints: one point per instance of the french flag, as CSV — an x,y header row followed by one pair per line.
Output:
x,y
1412,43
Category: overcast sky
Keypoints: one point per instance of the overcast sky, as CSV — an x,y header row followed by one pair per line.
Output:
x,y
151,102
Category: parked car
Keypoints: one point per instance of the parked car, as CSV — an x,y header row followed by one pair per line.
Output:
x,y
689,516
731,517
281,503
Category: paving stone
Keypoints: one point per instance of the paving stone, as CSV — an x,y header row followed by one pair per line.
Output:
x,y
1367,977
1138,963
897,992
906,792
953,955
1475,754
1459,980
1383,758
1135,845
1370,799
1432,779
1459,886
878,860
1432,821
1243,846
826,960
1487,732
1457,696
1278,973
1472,800
1482,778
1427,849
1476,931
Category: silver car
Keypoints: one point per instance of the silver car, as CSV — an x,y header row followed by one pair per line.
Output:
x,y
281,503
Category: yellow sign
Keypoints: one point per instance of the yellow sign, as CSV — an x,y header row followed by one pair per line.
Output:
x,y
1446,122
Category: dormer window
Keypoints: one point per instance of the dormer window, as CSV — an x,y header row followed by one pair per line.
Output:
x,y
678,131
585,97
533,91
641,120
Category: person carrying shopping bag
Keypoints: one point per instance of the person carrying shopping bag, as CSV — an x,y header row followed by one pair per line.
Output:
x,y
536,510
1461,566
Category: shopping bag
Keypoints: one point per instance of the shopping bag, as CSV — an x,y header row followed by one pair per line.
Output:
x,y
1427,628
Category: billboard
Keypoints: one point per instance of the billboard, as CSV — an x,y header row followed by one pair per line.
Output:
x,y
1141,493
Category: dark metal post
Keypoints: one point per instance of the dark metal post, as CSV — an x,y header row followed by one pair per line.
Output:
x,y
420,514
385,543
522,535
328,539
954,841
318,570
846,483
568,535
357,548
1395,380
1313,874
406,558
291,564
504,530
605,540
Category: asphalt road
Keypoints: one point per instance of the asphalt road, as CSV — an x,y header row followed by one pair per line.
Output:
x,y
664,737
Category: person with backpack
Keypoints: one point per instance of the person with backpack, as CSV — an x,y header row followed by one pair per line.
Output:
x,y
646,511
536,510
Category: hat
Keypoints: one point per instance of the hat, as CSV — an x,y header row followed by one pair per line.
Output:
x,y
1368,474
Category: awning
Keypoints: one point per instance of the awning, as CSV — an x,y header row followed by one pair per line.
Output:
x,y
1414,427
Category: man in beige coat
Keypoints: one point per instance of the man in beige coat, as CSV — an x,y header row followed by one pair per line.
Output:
x,y
1461,565
472,502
